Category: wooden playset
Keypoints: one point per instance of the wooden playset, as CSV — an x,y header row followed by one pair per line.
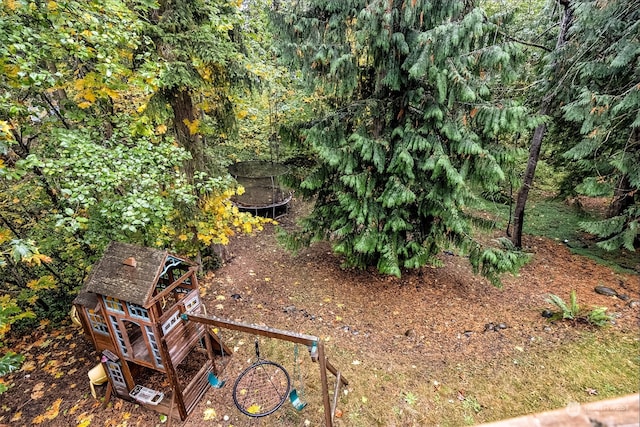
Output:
x,y
142,310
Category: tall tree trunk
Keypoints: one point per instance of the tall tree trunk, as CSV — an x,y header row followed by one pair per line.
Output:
x,y
622,197
184,117
623,194
538,136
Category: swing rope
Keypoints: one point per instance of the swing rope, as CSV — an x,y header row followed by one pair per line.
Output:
x,y
295,396
296,370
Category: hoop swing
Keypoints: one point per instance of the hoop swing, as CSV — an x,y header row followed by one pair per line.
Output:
x,y
261,388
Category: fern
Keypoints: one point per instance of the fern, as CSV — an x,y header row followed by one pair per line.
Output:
x,y
565,310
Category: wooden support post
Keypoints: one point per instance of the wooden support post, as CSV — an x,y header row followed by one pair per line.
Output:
x,y
173,379
322,361
336,393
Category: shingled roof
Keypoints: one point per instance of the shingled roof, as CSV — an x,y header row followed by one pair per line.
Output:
x,y
127,272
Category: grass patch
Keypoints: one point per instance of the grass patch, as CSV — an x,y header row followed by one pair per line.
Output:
x,y
597,366
552,218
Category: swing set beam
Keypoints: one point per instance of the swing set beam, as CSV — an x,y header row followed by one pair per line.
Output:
x,y
308,340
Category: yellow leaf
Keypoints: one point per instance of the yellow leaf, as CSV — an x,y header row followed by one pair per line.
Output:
x,y
5,235
193,126
89,95
241,114
84,419
161,129
84,105
183,237
78,84
16,416
253,409
52,5
110,93
209,414
51,413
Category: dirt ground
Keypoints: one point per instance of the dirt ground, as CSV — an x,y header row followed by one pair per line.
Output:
x,y
432,317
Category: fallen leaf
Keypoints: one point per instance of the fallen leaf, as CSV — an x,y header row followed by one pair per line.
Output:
x,y
221,298
266,279
219,307
338,413
209,414
253,409
364,399
51,413
37,392
84,419
17,416
28,366
591,391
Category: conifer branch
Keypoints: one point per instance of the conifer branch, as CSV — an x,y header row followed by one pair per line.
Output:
x,y
526,43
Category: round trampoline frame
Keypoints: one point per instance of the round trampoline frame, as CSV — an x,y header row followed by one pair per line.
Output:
x,y
263,194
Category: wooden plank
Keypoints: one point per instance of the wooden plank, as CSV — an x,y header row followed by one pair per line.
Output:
x,y
335,372
173,378
253,329
336,393
619,412
192,272
196,388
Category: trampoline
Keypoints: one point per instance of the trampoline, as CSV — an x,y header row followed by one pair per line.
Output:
x,y
263,194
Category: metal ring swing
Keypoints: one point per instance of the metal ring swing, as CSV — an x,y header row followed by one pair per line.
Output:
x,y
262,388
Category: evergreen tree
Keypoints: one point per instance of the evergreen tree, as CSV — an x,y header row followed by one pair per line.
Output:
x,y
411,127
604,92
192,49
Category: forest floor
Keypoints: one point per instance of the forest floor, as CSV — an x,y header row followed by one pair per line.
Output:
x,y
416,350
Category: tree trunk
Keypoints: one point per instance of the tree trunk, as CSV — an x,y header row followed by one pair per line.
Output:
x,y
183,116
529,174
538,136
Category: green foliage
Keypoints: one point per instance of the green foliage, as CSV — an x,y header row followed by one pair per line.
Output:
x,y
572,311
410,127
88,153
604,100
10,362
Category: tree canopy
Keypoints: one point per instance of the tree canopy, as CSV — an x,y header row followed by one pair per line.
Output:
x,y
410,129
